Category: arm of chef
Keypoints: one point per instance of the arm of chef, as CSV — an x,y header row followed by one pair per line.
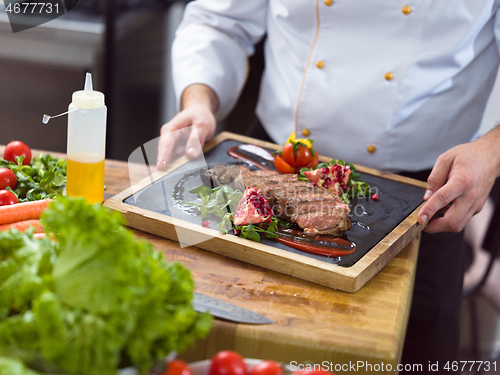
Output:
x,y
212,46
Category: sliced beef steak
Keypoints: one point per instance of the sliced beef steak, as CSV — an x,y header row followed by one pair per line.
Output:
x,y
314,209
251,180
224,175
325,218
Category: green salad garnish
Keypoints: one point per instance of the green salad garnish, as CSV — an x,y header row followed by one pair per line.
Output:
x,y
44,178
221,202
90,298
217,201
249,231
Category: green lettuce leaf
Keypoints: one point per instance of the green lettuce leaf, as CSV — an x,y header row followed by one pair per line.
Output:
x,y
10,366
93,300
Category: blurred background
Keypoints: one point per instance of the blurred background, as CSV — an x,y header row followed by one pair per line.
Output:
x,y
125,44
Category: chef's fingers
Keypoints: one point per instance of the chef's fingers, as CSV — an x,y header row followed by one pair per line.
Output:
x,y
440,199
171,136
439,175
202,130
179,149
463,175
451,207
452,218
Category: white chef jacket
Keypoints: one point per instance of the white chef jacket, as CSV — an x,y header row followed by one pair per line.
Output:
x,y
387,84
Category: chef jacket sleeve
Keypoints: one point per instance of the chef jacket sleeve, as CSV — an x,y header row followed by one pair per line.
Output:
x,y
212,46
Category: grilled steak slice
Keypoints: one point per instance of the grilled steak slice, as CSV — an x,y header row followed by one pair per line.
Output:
x,y
321,217
296,208
262,173
325,222
316,210
256,181
234,176
224,175
211,176
280,197
270,189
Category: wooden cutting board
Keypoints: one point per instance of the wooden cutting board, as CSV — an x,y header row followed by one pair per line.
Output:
x,y
392,219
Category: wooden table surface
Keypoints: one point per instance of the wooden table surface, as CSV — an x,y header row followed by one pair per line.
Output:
x,y
313,324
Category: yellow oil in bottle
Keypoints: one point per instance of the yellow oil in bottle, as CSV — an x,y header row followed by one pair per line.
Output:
x,y
85,177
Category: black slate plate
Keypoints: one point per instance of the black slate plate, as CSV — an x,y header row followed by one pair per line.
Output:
x,y
371,220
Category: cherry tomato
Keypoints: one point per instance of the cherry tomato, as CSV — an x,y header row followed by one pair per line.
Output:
x,y
267,367
303,157
314,161
177,367
17,148
227,362
282,166
7,197
289,154
7,178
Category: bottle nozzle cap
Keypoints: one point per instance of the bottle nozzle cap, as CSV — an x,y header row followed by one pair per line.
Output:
x,y
88,82
88,98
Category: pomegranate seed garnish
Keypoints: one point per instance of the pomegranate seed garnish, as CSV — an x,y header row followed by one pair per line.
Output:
x,y
205,224
375,197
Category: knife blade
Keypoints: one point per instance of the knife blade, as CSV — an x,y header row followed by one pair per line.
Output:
x,y
227,311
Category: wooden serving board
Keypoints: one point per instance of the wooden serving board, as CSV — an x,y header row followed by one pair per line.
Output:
x,y
348,274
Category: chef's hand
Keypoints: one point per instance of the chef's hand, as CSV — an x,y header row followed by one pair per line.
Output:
x,y
190,128
460,183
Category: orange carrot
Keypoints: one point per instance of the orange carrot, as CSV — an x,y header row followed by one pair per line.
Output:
x,y
23,211
43,235
21,226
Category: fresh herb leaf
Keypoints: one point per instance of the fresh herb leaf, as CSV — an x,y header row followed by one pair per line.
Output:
x,y
251,231
248,231
202,191
214,202
226,224
284,223
44,178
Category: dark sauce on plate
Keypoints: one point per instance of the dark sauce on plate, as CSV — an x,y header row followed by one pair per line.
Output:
x,y
324,245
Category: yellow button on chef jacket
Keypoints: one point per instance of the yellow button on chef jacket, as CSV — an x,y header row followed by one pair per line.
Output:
x,y
442,58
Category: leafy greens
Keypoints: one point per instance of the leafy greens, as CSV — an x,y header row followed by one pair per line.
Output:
x,y
221,202
92,300
217,201
44,178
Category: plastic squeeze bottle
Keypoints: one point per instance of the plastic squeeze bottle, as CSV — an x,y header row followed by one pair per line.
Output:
x,y
86,144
